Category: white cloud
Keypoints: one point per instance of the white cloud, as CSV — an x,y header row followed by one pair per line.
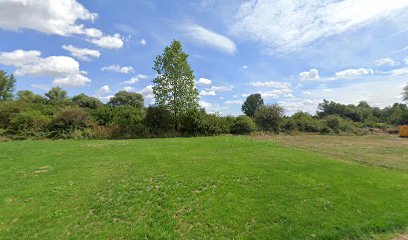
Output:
x,y
136,79
271,84
83,54
207,93
206,37
284,26
353,73
386,62
245,67
48,16
143,42
64,70
119,69
211,107
102,91
128,88
220,88
233,102
306,93
312,74
108,41
59,17
147,92
203,81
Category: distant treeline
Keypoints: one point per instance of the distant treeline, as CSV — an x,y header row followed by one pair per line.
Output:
x,y
175,113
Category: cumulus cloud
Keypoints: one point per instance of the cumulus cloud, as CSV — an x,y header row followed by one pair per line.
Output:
x,y
353,73
59,17
312,74
136,79
128,88
64,70
220,88
211,107
203,81
147,92
285,26
207,93
119,69
271,84
233,102
102,91
386,62
108,41
83,54
209,38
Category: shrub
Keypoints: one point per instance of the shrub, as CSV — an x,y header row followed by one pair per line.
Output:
x,y
159,120
29,123
306,123
69,119
243,125
269,117
338,124
288,125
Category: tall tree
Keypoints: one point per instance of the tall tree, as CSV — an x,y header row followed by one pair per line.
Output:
x,y
251,104
6,86
174,85
56,95
405,93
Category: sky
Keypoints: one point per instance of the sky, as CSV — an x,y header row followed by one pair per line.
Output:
x,y
293,52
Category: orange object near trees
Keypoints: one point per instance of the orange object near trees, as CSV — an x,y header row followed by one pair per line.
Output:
x,y
403,131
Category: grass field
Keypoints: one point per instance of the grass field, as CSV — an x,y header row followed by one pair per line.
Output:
x,y
194,188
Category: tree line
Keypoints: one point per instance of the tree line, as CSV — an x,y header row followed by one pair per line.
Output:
x,y
176,111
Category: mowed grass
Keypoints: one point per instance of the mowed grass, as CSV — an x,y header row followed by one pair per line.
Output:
x,y
192,188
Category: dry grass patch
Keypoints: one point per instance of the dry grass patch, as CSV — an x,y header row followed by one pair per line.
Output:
x,y
387,151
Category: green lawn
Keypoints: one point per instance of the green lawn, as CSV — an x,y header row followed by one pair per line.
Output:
x,y
193,188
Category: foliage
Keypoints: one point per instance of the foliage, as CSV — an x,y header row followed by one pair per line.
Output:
x,y
159,120
405,93
252,103
29,123
68,120
125,98
243,125
28,96
269,117
56,95
85,101
7,84
174,85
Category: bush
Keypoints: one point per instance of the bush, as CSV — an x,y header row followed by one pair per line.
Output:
x,y
338,124
67,120
306,123
288,125
269,117
159,120
29,123
243,125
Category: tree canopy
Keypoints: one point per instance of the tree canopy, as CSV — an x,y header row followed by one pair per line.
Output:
x,y
252,104
125,98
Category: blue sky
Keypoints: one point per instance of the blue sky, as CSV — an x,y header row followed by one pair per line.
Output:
x,y
295,53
